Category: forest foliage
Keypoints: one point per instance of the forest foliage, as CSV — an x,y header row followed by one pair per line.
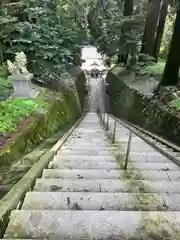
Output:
x,y
14,110
49,32
114,33
131,30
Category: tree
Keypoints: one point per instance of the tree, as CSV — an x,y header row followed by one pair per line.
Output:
x,y
171,71
49,32
160,29
113,33
128,11
128,7
6,22
151,27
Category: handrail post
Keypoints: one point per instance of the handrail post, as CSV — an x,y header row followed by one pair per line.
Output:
x,y
114,132
107,124
128,150
100,116
104,114
104,90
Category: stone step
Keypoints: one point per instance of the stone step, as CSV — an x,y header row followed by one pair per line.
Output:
x,y
148,158
110,174
137,147
93,148
85,152
86,132
71,164
95,128
80,140
174,175
141,153
84,157
106,185
154,166
90,135
91,138
87,147
89,126
86,164
140,158
101,201
48,224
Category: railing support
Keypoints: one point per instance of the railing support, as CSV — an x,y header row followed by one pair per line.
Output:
x,y
114,132
104,114
128,151
107,123
99,114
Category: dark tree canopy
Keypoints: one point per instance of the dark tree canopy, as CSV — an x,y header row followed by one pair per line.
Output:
x,y
51,32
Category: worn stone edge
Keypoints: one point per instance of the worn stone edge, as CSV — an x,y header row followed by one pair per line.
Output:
x,y
13,197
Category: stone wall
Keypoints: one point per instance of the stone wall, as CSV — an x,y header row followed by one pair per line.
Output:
x,y
63,109
80,86
135,107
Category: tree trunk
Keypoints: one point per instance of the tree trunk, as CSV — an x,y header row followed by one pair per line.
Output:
x,y
151,27
91,19
128,11
1,54
160,30
119,58
128,7
171,71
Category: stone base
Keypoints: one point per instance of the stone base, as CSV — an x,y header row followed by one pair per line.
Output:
x,y
33,94
22,86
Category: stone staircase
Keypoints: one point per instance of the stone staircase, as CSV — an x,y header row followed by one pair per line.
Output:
x,y
86,194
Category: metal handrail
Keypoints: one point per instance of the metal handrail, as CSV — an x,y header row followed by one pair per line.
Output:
x,y
140,134
154,145
114,132
128,151
106,124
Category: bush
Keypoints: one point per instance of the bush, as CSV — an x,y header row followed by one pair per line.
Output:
x,y
53,111
13,111
154,69
175,104
5,84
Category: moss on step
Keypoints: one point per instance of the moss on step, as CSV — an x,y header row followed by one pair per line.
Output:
x,y
109,135
152,226
143,197
155,227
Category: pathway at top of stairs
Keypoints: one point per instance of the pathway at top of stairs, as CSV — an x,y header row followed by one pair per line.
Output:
x,y
86,194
